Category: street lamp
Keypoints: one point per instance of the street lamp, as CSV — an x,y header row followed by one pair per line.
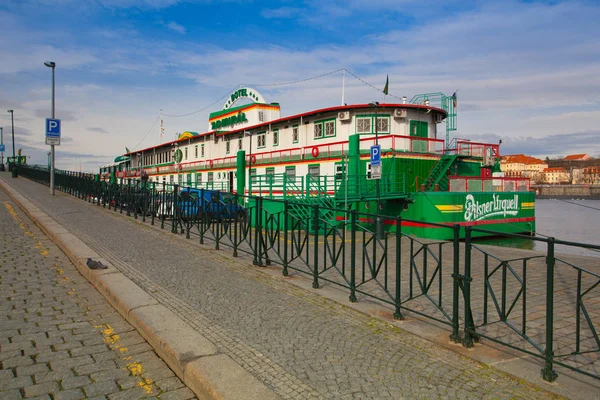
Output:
x,y
378,224
52,64
12,119
249,164
2,152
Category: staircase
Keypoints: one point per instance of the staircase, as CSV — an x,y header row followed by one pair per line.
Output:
x,y
438,173
314,194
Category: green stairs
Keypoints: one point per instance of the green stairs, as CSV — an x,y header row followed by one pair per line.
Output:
x,y
438,173
302,206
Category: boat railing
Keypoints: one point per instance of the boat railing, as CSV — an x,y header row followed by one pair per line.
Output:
x,y
464,147
488,184
411,144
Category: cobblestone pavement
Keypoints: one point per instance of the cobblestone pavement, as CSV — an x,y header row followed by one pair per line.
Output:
x,y
59,338
299,344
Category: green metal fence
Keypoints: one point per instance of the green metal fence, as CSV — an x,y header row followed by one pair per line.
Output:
x,y
544,305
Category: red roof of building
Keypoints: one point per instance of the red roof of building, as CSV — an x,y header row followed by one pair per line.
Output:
x,y
521,158
556,169
577,157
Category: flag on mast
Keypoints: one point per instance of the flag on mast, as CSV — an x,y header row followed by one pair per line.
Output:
x,y
162,127
387,85
454,98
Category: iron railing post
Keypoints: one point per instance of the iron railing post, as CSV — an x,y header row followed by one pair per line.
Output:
x,y
315,284
236,220
455,286
466,284
353,256
548,373
285,237
398,300
175,211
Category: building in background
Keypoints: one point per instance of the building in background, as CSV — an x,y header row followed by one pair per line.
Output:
x,y
557,175
577,157
522,166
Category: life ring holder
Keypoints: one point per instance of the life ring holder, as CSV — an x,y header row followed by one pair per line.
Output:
x,y
252,159
315,152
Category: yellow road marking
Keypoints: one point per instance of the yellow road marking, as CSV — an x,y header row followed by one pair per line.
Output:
x,y
134,368
13,214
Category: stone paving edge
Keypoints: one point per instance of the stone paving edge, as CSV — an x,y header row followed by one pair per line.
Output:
x,y
192,357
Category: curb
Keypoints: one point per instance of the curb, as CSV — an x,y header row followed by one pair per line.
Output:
x,y
193,358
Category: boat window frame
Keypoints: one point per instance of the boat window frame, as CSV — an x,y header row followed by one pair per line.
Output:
x,y
322,123
261,135
296,132
372,123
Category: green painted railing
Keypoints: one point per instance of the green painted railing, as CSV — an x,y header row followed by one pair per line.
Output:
x,y
542,304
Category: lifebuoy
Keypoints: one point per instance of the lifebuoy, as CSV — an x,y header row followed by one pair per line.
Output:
x,y
315,152
210,163
252,159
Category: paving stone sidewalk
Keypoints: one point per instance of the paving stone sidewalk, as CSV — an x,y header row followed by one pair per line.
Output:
x,y
59,338
299,344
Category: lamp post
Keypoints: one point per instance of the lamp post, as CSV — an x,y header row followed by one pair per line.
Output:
x,y
12,120
249,165
2,152
378,224
52,64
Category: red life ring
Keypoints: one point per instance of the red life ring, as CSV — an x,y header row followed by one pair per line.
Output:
x,y
211,163
315,152
252,159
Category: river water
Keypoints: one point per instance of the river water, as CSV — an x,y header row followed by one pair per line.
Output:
x,y
570,220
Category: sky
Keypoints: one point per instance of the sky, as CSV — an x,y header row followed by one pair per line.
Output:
x,y
527,72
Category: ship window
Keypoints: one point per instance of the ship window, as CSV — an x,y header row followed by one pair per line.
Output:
x,y
275,138
290,171
314,170
261,116
363,125
383,124
330,128
239,144
172,179
318,130
202,151
262,140
196,151
186,153
199,178
210,177
295,135
270,171
227,146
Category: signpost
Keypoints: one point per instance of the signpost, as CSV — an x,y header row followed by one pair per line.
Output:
x,y
53,131
376,162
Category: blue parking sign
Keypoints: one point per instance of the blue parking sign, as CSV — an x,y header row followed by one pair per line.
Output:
x,y
376,155
2,147
52,127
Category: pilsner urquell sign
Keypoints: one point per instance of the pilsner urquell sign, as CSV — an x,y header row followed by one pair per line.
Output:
x,y
498,206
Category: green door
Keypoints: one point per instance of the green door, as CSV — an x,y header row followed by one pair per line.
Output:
x,y
419,129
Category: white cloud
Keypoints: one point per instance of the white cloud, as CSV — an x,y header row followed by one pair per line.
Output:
x,y
174,26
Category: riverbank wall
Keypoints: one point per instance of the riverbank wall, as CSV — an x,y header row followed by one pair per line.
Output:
x,y
590,192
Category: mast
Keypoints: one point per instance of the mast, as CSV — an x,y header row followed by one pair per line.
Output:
x,y
343,84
